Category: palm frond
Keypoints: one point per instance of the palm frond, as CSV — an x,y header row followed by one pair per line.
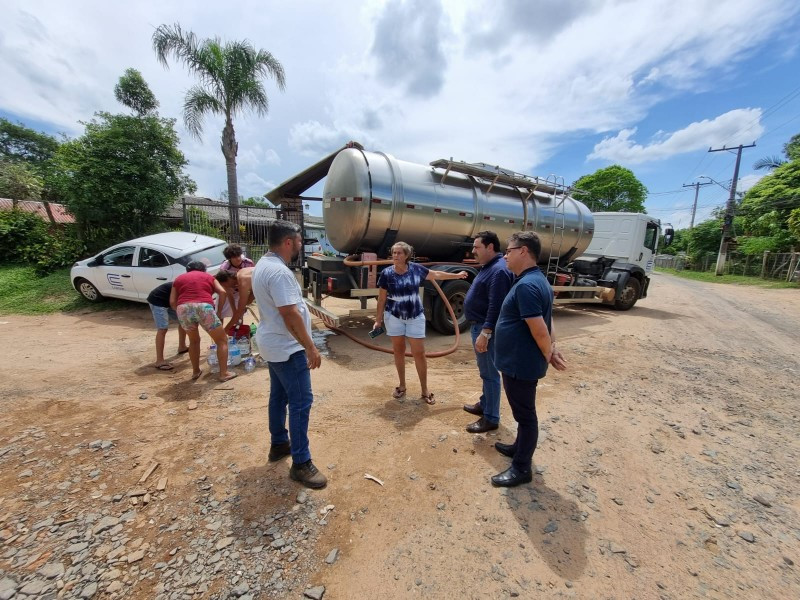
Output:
x,y
184,47
196,105
768,162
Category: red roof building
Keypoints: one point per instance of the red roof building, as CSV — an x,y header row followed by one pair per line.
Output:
x,y
59,211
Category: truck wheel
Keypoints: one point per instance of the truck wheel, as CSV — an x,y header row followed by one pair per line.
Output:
x,y
456,292
88,291
629,296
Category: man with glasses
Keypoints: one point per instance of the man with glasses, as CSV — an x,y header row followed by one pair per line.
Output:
x,y
482,307
524,346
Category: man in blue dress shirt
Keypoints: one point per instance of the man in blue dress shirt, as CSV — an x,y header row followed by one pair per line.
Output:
x,y
482,307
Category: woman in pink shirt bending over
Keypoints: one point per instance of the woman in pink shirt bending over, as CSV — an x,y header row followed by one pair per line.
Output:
x,y
191,298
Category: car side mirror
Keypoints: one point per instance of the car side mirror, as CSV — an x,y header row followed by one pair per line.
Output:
x,y
94,262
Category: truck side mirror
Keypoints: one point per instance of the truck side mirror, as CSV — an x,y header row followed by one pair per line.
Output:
x,y
669,234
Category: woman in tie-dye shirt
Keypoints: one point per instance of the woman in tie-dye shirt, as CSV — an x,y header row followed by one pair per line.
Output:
x,y
400,312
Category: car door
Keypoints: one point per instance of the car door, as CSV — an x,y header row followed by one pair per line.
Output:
x,y
151,269
114,276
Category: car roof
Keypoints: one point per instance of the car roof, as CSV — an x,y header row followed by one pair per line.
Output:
x,y
180,242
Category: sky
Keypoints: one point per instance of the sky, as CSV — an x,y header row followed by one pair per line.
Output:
x,y
542,87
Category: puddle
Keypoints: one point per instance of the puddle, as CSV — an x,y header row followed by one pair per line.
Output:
x,y
320,339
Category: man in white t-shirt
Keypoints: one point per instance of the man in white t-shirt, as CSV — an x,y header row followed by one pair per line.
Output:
x,y
284,340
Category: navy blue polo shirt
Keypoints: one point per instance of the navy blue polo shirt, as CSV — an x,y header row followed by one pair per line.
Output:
x,y
516,352
487,292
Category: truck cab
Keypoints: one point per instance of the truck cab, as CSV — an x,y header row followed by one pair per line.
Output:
x,y
622,253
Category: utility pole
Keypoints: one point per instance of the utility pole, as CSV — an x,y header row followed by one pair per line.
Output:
x,y
727,223
696,185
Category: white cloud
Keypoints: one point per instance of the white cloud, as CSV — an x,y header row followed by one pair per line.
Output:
x,y
735,127
252,184
509,90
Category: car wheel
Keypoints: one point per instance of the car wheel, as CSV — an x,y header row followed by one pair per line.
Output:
x,y
88,291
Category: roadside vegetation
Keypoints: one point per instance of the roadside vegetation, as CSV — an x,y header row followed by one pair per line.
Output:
x,y
710,277
26,293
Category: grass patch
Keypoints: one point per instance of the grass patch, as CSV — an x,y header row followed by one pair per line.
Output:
x,y
710,277
24,293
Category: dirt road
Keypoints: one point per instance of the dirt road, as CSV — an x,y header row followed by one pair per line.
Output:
x,y
667,466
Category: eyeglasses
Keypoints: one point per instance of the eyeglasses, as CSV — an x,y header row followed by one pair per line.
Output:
x,y
510,248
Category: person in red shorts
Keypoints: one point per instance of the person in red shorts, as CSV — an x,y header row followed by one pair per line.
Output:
x,y
192,299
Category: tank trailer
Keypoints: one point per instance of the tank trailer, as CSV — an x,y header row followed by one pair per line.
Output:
x,y
371,200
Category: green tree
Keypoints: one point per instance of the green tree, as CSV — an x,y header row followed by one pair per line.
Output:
x,y
612,189
120,176
132,91
230,84
22,144
766,209
19,181
703,240
259,201
792,148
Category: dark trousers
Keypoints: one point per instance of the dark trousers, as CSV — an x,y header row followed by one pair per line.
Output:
x,y
521,394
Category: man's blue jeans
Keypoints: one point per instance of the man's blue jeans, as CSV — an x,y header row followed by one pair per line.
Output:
x,y
290,387
490,398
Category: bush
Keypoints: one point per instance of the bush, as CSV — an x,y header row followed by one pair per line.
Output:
x,y
26,237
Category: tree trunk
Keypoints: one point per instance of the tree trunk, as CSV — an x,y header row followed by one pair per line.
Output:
x,y
230,149
49,211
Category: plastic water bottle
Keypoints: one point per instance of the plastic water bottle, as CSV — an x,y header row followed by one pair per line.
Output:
x,y
234,356
253,346
249,364
244,345
213,361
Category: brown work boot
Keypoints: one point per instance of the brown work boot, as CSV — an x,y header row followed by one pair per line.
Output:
x,y
307,474
279,451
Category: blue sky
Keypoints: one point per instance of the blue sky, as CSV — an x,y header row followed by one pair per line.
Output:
x,y
539,86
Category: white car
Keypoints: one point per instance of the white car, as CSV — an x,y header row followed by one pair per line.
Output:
x,y
131,270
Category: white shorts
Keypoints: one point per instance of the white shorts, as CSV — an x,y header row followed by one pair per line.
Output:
x,y
410,328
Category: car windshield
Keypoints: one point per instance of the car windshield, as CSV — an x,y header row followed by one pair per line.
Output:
x,y
211,257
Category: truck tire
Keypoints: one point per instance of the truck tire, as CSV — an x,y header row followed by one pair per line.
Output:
x,y
88,291
629,295
456,292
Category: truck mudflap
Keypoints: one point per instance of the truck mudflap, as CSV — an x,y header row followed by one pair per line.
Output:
x,y
330,320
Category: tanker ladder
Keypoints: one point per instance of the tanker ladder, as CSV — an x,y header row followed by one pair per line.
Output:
x,y
559,225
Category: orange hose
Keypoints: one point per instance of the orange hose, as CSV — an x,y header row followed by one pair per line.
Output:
x,y
438,354
351,262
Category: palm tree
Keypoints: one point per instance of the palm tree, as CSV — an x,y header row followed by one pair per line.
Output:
x,y
770,163
230,77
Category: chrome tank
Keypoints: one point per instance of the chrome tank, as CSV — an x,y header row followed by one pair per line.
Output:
x,y
368,194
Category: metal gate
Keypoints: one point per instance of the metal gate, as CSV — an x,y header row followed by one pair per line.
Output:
x,y
208,217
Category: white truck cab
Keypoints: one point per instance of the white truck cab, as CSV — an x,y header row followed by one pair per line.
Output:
x,y
630,238
621,255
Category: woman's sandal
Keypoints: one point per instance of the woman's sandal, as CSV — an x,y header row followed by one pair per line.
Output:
x,y
429,399
398,393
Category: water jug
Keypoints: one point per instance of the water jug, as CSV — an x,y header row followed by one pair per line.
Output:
x,y
234,356
213,362
244,345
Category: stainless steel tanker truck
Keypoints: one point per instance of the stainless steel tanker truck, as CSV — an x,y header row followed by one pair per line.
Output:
x,y
371,200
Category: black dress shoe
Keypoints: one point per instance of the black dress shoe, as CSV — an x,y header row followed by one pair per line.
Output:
x,y
279,451
511,477
482,425
505,449
474,409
